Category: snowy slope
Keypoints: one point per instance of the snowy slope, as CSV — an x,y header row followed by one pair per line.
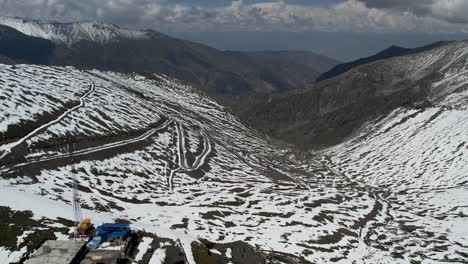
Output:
x,y
71,33
152,151
171,161
417,158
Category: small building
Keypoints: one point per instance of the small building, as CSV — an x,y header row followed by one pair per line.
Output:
x,y
59,252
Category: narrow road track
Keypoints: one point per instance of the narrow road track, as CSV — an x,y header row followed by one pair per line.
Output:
x,y
200,160
7,148
88,151
182,151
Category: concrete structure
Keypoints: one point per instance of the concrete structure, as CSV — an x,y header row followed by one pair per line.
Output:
x,y
102,256
58,252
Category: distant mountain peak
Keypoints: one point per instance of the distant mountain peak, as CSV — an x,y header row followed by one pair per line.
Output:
x,y
390,52
72,32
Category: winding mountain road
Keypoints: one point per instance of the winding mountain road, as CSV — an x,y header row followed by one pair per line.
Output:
x,y
88,151
182,151
7,148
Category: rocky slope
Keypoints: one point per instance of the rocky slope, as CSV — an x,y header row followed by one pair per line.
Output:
x,y
17,46
330,111
391,52
315,63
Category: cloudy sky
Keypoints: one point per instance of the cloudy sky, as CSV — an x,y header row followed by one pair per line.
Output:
x,y
431,16
420,17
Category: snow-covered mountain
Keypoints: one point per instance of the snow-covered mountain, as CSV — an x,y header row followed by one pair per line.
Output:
x,y
170,161
233,78
154,152
328,112
71,33
417,157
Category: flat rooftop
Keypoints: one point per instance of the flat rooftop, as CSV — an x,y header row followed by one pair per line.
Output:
x,y
101,256
56,252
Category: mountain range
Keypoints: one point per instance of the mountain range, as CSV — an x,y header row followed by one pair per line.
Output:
x,y
328,112
392,51
368,166
231,77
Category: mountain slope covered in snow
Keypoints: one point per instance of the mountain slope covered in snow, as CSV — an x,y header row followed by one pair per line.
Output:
x,y
232,78
417,158
72,33
156,153
328,112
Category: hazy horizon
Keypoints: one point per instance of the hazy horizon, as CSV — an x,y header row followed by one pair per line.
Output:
x,y
336,45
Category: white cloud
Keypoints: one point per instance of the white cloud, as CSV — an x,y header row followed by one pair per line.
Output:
x,y
164,15
451,10
454,11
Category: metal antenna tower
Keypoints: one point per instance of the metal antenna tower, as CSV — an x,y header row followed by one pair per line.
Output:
x,y
78,215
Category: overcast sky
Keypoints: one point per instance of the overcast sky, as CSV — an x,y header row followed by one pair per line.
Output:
x,y
294,16
431,16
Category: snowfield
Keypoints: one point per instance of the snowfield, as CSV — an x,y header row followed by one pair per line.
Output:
x,y
169,160
173,162
417,158
420,168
